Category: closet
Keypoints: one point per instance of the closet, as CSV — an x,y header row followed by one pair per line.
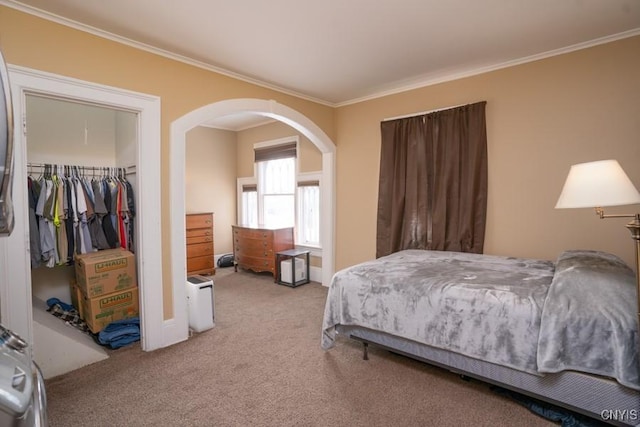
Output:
x,y
85,141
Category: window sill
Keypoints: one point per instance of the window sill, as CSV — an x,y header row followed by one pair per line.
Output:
x,y
315,251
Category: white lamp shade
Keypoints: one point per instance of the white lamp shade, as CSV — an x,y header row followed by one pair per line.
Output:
x,y
597,184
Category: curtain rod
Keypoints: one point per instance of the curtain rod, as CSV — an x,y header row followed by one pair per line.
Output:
x,y
422,113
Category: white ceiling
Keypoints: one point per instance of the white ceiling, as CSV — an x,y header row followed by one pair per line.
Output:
x,y
342,51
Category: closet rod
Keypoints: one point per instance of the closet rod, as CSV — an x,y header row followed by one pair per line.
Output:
x,y
42,165
93,169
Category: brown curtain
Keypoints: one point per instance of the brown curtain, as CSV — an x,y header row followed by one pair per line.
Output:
x,y
433,182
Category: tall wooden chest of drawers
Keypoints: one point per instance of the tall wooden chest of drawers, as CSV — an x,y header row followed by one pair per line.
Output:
x,y
200,243
255,248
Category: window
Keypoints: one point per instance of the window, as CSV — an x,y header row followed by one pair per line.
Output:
x,y
280,197
309,213
250,205
276,184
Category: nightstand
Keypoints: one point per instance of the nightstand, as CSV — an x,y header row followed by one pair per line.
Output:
x,y
293,267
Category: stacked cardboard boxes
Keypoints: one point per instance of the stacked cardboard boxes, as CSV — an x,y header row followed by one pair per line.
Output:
x,y
106,288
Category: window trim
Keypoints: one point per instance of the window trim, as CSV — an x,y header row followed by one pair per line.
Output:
x,y
240,183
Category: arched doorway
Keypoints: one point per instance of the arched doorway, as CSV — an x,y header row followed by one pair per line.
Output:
x,y
177,329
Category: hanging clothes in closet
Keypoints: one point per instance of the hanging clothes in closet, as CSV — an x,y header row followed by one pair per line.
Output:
x,y
72,213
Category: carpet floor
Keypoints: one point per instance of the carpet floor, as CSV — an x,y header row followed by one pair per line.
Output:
x,y
262,365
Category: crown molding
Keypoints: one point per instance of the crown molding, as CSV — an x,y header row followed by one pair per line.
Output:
x,y
155,50
417,83
431,80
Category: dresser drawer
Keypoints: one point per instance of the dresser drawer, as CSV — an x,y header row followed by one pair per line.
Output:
x,y
256,263
199,249
199,232
199,239
199,221
254,245
263,254
247,233
200,263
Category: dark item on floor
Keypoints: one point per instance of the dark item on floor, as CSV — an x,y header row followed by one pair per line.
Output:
x,y
115,335
553,413
120,333
68,313
225,260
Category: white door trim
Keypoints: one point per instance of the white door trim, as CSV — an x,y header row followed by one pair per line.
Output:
x,y
15,272
266,108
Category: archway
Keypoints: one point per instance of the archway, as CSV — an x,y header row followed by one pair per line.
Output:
x,y
177,328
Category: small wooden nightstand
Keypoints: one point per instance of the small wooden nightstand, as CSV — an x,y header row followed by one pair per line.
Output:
x,y
297,274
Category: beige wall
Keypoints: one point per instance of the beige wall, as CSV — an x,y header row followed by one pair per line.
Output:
x,y
210,180
70,133
36,43
542,117
309,157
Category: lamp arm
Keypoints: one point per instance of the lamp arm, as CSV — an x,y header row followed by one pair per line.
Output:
x,y
634,228
601,214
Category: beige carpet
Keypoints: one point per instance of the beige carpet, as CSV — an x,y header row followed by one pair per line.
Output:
x,y
261,365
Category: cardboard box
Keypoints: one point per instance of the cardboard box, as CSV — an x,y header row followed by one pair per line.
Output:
x,y
76,295
105,272
98,312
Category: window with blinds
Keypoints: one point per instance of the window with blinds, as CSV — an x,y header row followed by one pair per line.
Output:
x,y
250,205
276,191
280,197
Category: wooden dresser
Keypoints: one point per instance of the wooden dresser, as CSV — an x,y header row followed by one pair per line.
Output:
x,y
255,248
200,244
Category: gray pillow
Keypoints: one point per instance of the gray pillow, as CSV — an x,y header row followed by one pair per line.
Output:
x,y
589,319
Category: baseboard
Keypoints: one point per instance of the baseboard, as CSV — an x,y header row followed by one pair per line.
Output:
x,y
315,274
173,333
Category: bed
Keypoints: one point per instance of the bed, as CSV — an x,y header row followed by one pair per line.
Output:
x,y
564,332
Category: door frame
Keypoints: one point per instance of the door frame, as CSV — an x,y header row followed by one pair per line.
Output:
x,y
265,108
15,269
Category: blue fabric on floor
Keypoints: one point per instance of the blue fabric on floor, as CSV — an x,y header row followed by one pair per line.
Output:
x,y
120,333
551,412
53,301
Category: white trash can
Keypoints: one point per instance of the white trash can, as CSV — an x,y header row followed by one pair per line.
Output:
x,y
200,303
299,268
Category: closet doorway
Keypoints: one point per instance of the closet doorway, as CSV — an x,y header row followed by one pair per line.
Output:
x,y
73,148
141,153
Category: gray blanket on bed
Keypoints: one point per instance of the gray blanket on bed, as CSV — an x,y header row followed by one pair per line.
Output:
x,y
589,320
486,307
509,311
